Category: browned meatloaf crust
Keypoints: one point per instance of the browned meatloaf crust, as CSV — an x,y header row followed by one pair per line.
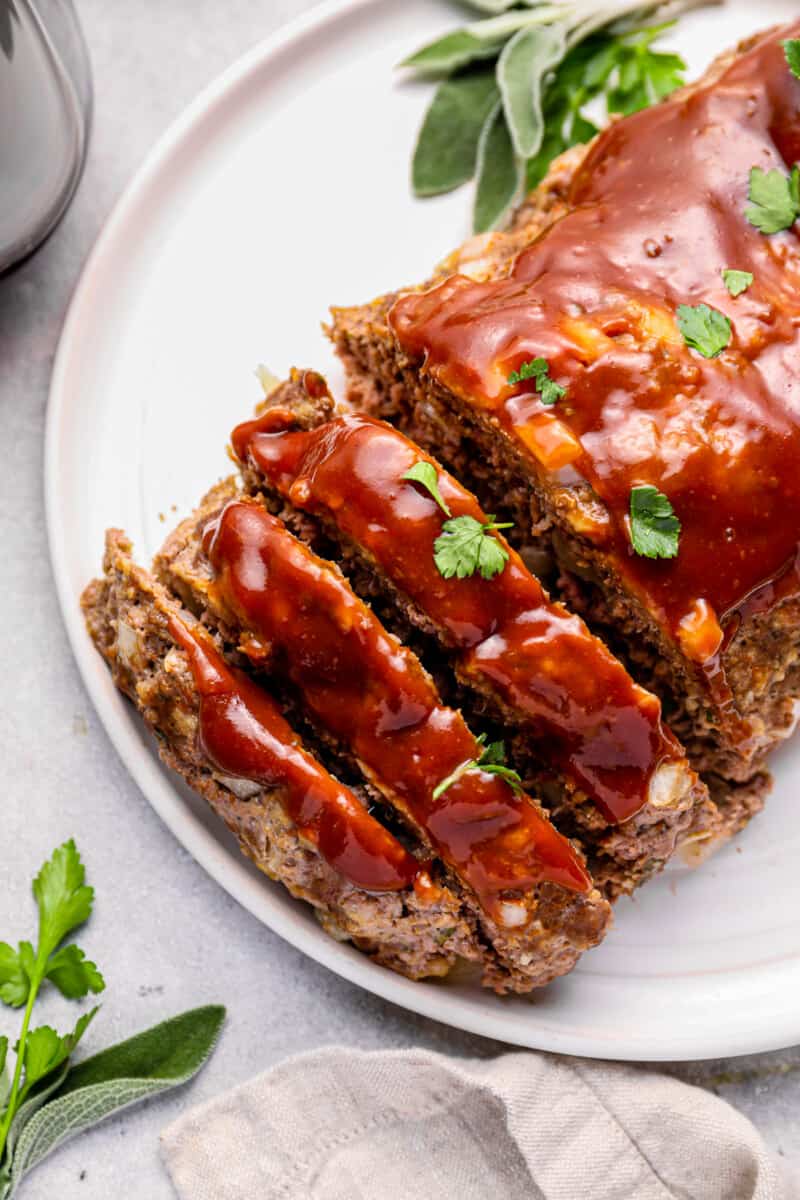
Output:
x,y
128,615
761,663
620,856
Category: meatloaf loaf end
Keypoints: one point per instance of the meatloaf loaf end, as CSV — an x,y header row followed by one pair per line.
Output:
x,y
421,929
589,279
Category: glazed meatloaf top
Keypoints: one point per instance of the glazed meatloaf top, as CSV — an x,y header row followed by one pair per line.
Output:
x,y
670,381
572,710
329,843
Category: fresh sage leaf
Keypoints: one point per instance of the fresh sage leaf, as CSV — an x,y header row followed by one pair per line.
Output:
x,y
522,69
606,58
154,1061
493,6
510,22
452,51
447,147
500,6
38,1096
498,171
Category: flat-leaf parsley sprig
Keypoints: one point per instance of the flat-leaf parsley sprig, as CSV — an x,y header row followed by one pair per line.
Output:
x,y
492,761
736,281
465,546
46,1100
704,329
64,902
791,48
539,370
655,529
426,474
514,89
774,199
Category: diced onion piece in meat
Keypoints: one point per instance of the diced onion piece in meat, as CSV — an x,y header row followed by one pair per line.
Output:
x,y
243,789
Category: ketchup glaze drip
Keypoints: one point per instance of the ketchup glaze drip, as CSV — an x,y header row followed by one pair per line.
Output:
x,y
594,722
243,734
373,694
656,213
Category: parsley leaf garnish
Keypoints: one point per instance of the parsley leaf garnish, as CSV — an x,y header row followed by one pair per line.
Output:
x,y
774,199
537,368
654,527
465,546
532,369
426,474
704,329
791,48
736,281
492,761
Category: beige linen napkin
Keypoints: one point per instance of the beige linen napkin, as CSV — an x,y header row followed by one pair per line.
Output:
x,y
340,1124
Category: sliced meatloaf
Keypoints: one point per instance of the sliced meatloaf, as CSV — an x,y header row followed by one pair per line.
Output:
x,y
612,774
324,841
589,280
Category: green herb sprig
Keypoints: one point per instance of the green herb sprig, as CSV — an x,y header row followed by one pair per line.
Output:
x,y
426,474
791,48
736,281
538,369
465,546
514,88
655,530
704,329
47,1099
774,199
492,761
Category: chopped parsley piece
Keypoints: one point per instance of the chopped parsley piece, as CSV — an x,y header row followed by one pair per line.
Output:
x,y
654,527
774,199
704,329
791,48
537,368
492,761
465,546
736,281
426,474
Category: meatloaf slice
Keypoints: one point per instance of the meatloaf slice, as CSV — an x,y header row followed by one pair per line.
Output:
x,y
590,279
416,925
615,777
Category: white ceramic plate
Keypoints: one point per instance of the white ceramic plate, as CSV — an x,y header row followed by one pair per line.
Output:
x,y
282,189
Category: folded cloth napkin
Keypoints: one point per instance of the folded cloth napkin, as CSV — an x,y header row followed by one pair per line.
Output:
x,y
340,1124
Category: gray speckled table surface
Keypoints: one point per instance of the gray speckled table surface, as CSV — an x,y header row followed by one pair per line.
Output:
x,y
167,937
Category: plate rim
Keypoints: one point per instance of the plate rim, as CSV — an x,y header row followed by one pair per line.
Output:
x,y
121,726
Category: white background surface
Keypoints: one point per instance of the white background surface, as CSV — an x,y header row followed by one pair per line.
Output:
x,y
165,935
